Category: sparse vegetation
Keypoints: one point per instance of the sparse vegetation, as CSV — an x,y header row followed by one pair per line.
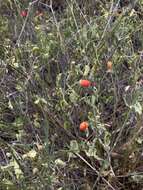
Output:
x,y
71,95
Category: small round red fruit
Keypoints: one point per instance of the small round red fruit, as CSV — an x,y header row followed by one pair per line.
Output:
x,y
84,126
85,83
23,13
109,65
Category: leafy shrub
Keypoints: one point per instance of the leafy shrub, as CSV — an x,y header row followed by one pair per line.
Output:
x,y
44,57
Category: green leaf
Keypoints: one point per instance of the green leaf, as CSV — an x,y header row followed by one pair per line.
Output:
x,y
74,146
59,162
7,184
17,170
139,140
40,100
86,70
91,152
32,154
137,107
107,138
137,178
73,96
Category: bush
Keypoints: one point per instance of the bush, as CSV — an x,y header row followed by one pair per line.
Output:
x,y
56,131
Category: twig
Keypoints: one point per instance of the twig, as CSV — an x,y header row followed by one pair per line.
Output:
x,y
94,169
25,21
